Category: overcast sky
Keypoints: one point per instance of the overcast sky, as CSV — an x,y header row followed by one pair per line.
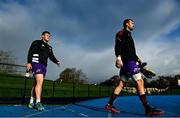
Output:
x,y
83,32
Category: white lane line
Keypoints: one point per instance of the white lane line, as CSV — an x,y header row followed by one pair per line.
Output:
x,y
171,113
34,114
109,115
71,110
62,107
15,105
171,103
83,114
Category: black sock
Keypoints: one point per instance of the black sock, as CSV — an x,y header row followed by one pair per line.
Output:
x,y
144,101
113,97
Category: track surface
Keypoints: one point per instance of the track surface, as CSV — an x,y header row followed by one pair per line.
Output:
x,y
130,106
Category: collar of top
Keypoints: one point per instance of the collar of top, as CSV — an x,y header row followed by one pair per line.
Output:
x,y
127,31
44,41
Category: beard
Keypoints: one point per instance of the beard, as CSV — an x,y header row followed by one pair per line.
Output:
x,y
131,28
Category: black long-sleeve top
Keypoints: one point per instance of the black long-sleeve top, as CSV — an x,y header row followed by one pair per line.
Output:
x,y
39,52
124,46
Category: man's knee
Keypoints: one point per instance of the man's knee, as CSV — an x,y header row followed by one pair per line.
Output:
x,y
140,87
121,84
39,78
140,82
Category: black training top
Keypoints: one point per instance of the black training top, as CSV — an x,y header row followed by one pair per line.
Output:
x,y
39,52
124,46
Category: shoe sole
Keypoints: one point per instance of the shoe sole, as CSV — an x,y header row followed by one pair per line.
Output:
x,y
40,109
30,107
155,114
112,111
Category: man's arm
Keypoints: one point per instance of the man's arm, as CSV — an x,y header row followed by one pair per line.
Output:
x,y
118,51
53,58
118,45
31,51
139,60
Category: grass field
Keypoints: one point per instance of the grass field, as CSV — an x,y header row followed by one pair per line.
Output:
x,y
18,86
14,86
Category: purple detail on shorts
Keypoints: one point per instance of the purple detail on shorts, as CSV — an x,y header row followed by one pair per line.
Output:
x,y
38,68
130,68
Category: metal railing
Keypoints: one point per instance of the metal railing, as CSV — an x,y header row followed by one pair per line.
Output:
x,y
17,85
13,83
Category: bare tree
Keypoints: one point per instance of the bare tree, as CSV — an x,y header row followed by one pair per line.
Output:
x,y
73,76
7,62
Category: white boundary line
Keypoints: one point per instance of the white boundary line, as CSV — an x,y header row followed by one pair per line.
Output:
x,y
172,103
61,107
174,115
109,115
83,114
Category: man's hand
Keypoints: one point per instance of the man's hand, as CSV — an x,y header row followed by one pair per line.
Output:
x,y
28,66
139,61
58,64
119,63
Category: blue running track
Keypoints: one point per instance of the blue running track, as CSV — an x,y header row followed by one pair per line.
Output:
x,y
130,106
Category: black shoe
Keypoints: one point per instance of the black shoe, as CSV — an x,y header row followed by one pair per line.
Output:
x,y
153,112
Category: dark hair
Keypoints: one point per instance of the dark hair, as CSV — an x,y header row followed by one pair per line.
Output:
x,y
126,21
43,33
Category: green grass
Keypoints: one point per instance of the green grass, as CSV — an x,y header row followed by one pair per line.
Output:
x,y
14,86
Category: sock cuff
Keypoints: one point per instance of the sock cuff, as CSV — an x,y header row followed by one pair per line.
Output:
x,y
144,99
143,95
38,100
32,98
115,95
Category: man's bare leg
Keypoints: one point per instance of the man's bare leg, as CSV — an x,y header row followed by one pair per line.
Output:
x,y
114,95
38,87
